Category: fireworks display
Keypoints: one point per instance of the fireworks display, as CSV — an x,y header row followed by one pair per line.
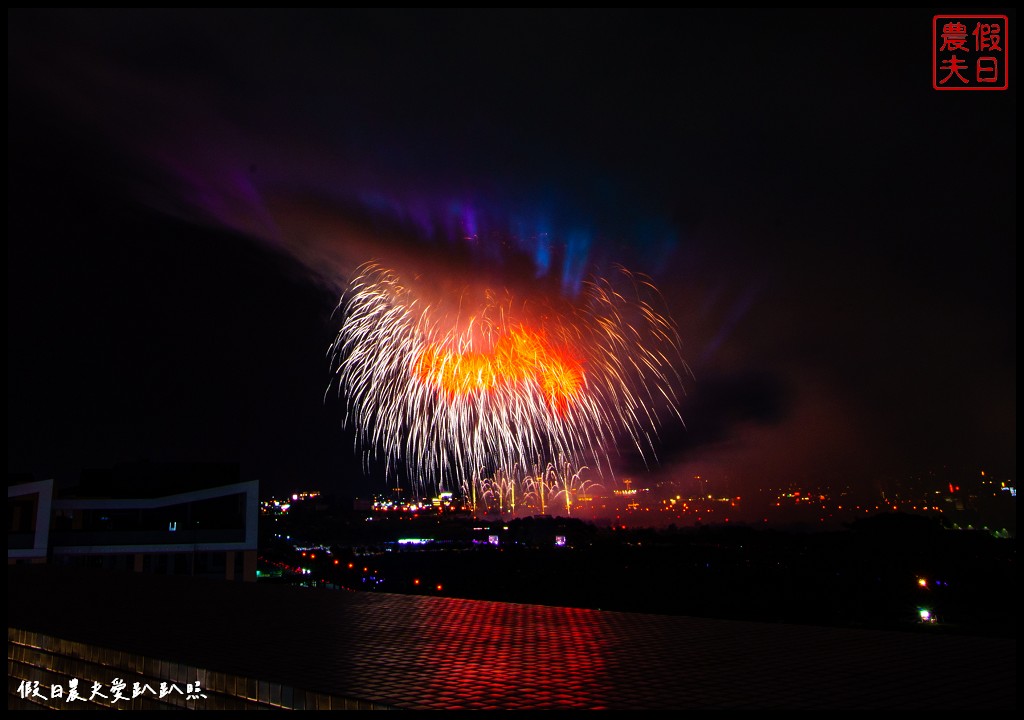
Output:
x,y
510,400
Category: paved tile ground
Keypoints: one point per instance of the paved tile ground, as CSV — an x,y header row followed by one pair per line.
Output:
x,y
427,653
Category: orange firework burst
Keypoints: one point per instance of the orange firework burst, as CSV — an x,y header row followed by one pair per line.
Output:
x,y
496,393
520,357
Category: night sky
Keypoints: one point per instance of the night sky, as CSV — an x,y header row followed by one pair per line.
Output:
x,y
188,192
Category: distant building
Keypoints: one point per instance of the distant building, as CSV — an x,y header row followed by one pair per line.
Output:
x,y
204,527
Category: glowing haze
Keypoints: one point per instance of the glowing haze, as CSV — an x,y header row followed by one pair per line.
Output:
x,y
841,321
